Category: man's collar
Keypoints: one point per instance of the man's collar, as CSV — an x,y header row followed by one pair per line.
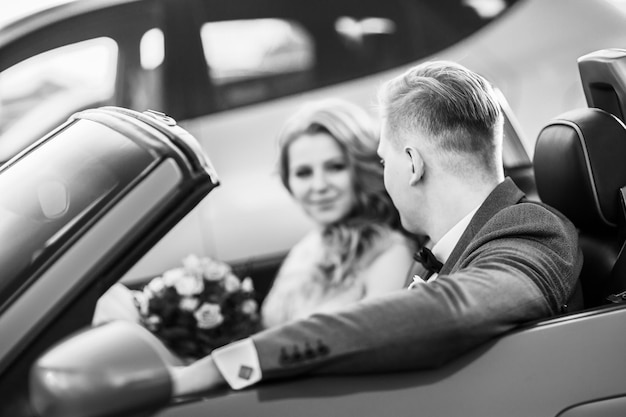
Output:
x,y
444,247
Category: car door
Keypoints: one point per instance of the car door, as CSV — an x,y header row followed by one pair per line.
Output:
x,y
77,209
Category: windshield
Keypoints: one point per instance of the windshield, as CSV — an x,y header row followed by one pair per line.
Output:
x,y
46,196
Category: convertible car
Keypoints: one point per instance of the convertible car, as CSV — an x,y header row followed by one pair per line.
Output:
x,y
84,203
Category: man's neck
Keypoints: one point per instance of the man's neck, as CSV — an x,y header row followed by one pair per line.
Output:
x,y
455,202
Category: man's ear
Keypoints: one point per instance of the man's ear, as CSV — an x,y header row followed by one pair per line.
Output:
x,y
416,164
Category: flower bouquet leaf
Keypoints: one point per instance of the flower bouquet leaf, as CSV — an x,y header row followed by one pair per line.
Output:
x,y
198,307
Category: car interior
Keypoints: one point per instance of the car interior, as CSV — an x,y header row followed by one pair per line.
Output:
x,y
580,170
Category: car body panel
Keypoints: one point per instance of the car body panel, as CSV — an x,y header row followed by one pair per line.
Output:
x,y
541,370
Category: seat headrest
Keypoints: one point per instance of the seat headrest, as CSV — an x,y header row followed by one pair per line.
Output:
x,y
603,77
580,165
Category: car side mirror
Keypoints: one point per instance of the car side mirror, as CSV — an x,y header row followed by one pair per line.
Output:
x,y
112,369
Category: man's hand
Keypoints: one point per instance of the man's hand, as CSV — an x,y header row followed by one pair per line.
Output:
x,y
200,376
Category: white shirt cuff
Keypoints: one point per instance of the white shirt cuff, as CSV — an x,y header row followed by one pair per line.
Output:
x,y
238,362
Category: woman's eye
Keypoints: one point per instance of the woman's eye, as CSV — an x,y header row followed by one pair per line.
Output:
x,y
302,172
337,166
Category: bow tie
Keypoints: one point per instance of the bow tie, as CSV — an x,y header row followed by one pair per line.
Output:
x,y
428,260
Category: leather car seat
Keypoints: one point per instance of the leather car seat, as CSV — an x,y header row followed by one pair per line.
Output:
x,y
580,167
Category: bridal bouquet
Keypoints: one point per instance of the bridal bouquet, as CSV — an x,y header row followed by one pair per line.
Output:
x,y
198,307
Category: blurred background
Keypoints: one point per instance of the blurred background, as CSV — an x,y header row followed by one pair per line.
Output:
x,y
231,72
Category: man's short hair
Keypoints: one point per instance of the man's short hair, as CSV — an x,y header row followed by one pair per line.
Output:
x,y
456,107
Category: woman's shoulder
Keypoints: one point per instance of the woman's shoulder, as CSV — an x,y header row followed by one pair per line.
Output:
x,y
308,245
390,264
385,240
389,237
303,252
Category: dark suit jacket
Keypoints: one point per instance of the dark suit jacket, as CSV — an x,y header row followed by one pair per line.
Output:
x,y
517,261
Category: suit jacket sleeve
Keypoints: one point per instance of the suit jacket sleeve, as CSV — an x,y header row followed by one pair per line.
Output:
x,y
520,266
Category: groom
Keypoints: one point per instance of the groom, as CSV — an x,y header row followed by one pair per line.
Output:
x,y
506,261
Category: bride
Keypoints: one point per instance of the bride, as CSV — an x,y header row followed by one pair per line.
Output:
x,y
328,162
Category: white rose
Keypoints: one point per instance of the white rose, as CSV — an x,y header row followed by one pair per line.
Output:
x,y
153,322
193,264
156,285
172,276
231,283
249,307
189,285
188,303
209,316
214,271
246,285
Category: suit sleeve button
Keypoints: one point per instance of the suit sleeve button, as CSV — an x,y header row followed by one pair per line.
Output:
x,y
309,353
284,357
296,355
322,349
